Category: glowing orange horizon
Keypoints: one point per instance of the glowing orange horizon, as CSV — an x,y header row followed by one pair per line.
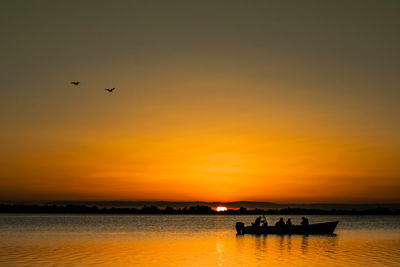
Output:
x,y
205,166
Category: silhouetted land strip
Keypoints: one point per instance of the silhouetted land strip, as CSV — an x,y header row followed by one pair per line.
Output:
x,y
82,209
233,205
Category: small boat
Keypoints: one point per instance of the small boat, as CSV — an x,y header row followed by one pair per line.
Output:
x,y
326,228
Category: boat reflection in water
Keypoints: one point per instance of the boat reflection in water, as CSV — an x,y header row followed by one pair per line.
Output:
x,y
291,250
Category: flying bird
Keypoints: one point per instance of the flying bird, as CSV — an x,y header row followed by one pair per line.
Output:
x,y
109,90
75,83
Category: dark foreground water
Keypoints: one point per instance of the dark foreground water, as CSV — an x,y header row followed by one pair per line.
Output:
x,y
182,240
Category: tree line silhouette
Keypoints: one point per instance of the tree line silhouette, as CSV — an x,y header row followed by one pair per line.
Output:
x,y
198,209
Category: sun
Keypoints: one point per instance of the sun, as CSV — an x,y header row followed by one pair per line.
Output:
x,y
220,209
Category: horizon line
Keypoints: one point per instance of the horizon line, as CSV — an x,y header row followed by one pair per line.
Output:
x,y
198,201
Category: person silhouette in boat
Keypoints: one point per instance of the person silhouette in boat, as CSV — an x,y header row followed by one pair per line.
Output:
x,y
280,223
257,222
304,222
288,223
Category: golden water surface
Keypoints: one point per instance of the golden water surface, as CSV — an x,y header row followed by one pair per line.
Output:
x,y
75,240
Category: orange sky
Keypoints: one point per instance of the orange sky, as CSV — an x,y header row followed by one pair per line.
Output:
x,y
209,105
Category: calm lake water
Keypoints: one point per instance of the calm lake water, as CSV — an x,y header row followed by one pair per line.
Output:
x,y
183,240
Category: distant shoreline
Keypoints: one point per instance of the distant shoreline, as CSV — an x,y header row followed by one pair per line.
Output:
x,y
198,209
138,204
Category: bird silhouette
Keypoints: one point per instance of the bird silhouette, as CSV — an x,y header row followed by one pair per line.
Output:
x,y
109,90
75,83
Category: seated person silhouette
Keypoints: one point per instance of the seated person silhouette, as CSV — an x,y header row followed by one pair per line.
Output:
x,y
288,223
280,223
257,222
304,222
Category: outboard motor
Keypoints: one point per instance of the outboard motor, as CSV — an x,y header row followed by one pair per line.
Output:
x,y
240,228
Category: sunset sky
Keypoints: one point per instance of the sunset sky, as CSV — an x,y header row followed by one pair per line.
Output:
x,y
284,101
